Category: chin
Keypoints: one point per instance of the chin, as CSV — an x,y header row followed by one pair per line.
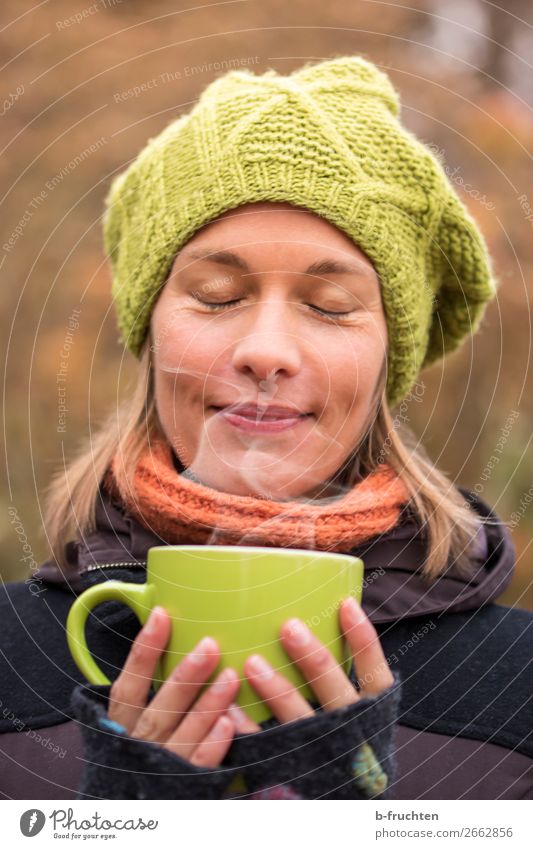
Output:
x,y
245,486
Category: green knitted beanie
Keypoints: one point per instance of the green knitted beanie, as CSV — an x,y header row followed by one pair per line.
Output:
x,y
327,138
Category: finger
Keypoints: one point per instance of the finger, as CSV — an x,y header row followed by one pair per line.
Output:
x,y
129,692
282,697
212,750
201,718
242,722
177,694
327,678
372,670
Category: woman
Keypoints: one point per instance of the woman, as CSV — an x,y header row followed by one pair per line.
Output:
x,y
286,258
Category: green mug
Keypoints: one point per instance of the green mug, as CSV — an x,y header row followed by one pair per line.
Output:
x,y
241,596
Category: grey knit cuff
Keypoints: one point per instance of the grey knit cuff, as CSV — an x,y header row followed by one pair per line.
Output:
x,y
346,753
120,767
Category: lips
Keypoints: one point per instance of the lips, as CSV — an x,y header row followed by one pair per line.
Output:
x,y
257,413
261,420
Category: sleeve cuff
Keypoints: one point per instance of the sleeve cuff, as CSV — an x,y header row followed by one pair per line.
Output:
x,y
120,767
345,753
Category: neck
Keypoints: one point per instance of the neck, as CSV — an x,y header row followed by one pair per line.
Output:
x,y
183,510
326,493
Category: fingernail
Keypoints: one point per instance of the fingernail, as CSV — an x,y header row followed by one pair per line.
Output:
x,y
352,607
260,666
237,714
151,622
199,654
221,729
226,677
297,632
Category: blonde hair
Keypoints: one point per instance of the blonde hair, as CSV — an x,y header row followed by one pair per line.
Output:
x,y
447,521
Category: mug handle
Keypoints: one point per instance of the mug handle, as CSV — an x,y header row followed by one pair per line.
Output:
x,y
136,596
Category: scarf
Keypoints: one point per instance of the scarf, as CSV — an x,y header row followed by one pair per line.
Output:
x,y
183,511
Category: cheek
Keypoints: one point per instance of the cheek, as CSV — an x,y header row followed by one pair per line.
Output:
x,y
176,344
352,385
356,362
185,360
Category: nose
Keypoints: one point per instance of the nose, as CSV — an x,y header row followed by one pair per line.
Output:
x,y
269,343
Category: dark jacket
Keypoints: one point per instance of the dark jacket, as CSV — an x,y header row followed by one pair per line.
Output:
x,y
456,724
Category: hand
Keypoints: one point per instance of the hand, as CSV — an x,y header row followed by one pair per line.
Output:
x,y
201,732
327,678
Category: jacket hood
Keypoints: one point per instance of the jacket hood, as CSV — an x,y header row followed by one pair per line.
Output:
x,y
393,586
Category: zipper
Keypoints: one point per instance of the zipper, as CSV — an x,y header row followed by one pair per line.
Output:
x,y
133,564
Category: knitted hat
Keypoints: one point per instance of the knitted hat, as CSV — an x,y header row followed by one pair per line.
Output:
x,y
326,138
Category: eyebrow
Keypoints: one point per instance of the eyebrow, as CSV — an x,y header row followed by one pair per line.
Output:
x,y
323,266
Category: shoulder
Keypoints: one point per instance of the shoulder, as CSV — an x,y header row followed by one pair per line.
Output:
x,y
27,606
467,673
37,672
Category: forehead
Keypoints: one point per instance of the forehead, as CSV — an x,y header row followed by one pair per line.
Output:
x,y
254,230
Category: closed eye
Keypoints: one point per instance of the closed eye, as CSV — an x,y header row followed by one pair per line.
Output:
x,y
226,304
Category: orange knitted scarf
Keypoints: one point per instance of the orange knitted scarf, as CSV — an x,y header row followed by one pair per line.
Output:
x,y
182,511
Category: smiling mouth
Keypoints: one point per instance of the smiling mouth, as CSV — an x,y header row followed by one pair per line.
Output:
x,y
263,424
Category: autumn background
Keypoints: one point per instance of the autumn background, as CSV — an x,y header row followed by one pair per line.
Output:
x,y
83,89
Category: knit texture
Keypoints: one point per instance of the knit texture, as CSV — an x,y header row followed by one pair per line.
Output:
x,y
326,138
318,757
121,767
182,510
368,773
345,753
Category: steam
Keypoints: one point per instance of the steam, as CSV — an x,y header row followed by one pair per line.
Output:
x,y
257,472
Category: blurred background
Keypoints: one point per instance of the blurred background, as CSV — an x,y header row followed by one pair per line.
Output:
x,y
85,85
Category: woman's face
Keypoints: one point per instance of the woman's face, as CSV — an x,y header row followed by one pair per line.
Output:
x,y
286,275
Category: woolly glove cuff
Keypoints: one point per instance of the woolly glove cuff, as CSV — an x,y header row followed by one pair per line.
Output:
x,y
121,767
346,753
